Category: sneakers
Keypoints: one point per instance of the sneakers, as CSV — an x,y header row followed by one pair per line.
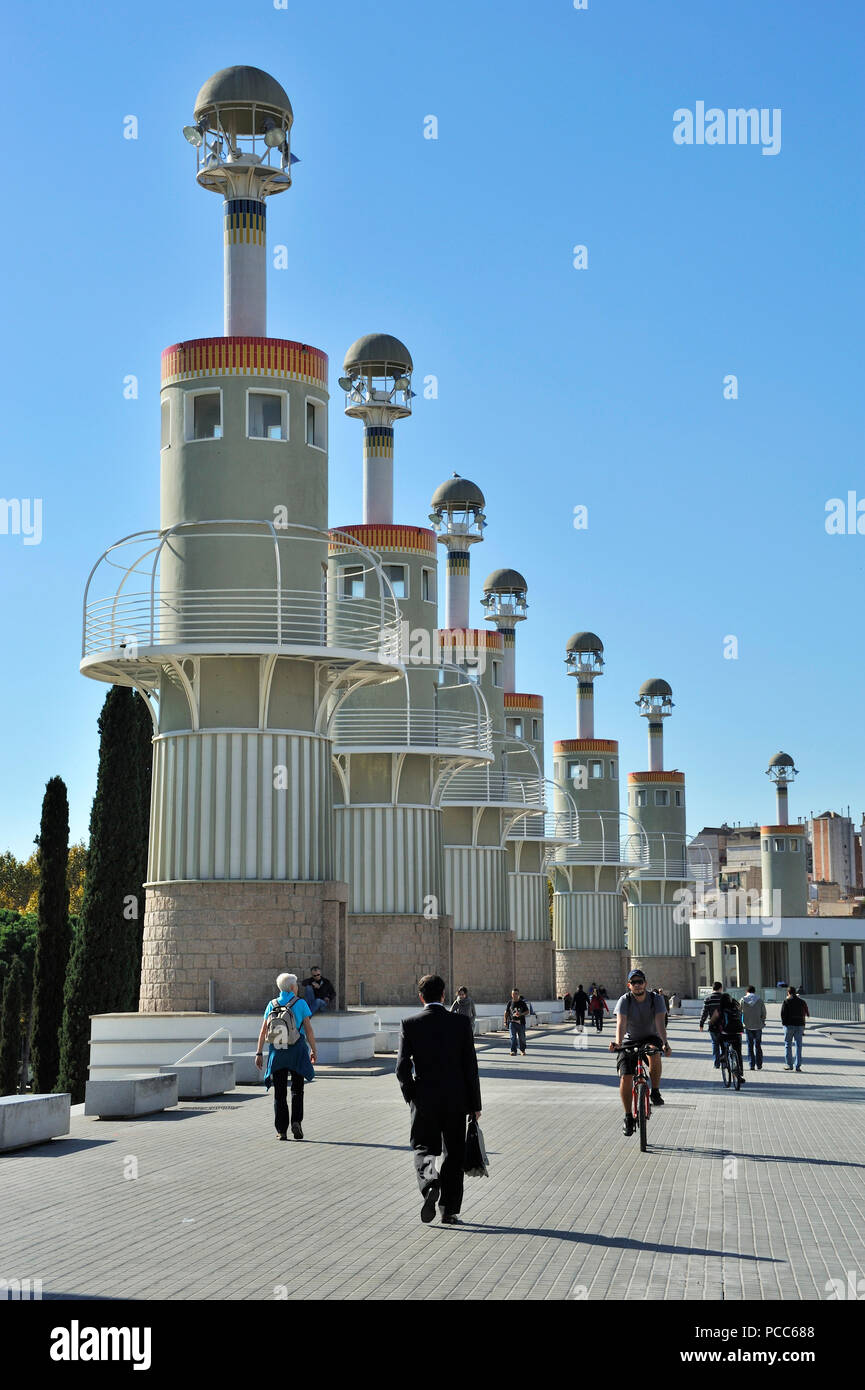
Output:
x,y
628,1125
428,1210
296,1129
522,1054
788,1068
655,1097
281,1135
798,1068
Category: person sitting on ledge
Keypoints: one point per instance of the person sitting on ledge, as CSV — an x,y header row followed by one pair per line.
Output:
x,y
318,992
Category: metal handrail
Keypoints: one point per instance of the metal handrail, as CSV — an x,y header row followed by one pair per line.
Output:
x,y
421,728
476,787
203,1043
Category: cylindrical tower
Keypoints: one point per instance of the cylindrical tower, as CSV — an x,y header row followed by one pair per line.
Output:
x,y
658,926
458,519
589,863
222,621
522,761
377,385
782,855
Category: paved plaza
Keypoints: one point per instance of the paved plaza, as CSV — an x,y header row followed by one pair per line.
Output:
x,y
755,1195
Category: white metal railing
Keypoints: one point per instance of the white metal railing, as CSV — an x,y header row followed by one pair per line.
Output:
x,y
277,618
478,787
411,728
145,614
546,825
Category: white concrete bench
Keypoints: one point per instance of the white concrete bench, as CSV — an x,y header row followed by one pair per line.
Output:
x,y
196,1079
26,1120
120,1096
386,1039
246,1073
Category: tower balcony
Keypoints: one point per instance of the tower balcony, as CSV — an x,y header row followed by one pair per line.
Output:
x,y
446,733
229,588
492,787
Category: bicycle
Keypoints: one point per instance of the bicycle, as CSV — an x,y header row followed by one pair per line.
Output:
x,y
641,1087
731,1064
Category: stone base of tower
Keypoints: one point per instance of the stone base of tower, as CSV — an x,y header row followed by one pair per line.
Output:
x,y
534,970
675,974
486,963
240,935
607,968
387,954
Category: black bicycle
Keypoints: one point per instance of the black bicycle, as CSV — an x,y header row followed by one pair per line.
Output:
x,y
641,1089
732,1072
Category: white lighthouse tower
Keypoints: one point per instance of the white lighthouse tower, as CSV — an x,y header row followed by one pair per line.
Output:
x,y
221,617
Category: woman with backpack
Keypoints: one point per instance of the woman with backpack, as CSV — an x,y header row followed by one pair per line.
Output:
x,y
286,1021
597,1007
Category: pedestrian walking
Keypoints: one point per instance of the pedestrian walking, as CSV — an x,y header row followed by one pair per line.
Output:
x,y
286,1027
465,1005
712,1003
581,1000
794,1011
597,1008
437,1071
754,1019
516,1013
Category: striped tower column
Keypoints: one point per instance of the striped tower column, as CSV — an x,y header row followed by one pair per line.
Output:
x,y
585,709
245,267
656,746
457,589
509,673
378,474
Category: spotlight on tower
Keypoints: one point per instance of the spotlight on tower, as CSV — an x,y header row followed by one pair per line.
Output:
x,y
346,383
274,135
195,133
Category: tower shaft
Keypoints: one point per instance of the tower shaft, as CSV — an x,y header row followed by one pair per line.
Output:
x,y
245,267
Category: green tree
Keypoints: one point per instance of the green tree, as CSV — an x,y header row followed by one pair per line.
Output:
x,y
10,1028
19,880
104,969
52,943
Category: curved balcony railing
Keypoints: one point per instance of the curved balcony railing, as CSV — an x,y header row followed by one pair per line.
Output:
x,y
479,787
138,612
381,729
671,856
189,617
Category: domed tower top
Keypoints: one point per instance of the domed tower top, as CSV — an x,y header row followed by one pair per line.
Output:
x,y
241,132
782,772
457,516
377,380
584,658
655,703
505,603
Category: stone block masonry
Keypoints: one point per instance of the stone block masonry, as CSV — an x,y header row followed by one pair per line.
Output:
x,y
239,934
675,974
535,969
486,963
388,954
606,968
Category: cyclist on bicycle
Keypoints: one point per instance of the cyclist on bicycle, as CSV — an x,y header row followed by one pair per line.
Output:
x,y
640,1016
725,1024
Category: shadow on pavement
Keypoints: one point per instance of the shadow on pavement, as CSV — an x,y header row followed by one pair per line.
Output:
x,y
607,1242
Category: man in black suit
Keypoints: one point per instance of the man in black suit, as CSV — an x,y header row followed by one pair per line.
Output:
x,y
438,1075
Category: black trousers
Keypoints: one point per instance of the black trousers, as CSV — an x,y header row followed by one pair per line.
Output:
x,y
279,1080
434,1133
580,1016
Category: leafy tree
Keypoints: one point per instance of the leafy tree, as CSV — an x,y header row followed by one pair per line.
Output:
x,y
104,970
19,880
52,946
17,938
10,1028
75,876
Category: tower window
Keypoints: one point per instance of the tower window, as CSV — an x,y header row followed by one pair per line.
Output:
x,y
613,772
779,846
642,797
596,767
497,673
536,729
427,586
351,581
165,439
398,576
316,424
515,727
267,415
766,844
794,846
203,415
662,798
678,798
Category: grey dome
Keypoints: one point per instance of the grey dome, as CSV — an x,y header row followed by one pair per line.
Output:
x,y
505,582
374,350
458,492
781,760
584,642
243,86
656,686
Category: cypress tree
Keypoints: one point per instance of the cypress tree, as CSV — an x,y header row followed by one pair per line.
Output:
x,y
143,730
54,936
103,972
10,1028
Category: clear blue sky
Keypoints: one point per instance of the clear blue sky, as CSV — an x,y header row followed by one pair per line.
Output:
x,y
557,387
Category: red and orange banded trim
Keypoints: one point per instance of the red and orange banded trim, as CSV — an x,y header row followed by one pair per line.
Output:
x,y
243,356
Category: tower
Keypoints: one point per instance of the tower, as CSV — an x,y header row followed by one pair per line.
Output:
x,y
782,849
658,928
522,760
396,743
589,865
222,618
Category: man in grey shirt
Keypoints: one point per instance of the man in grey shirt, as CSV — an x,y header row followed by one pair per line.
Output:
x,y
640,1017
754,1019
